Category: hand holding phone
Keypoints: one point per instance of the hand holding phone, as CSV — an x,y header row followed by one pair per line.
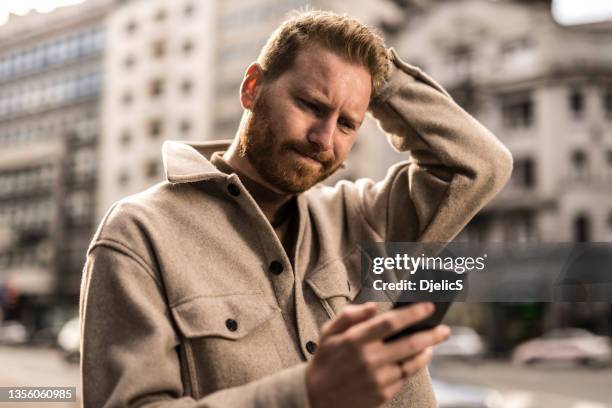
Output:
x,y
431,321
353,367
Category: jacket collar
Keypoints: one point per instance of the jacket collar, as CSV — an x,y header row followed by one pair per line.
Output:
x,y
186,162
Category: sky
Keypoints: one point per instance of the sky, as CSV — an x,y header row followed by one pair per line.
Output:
x,y
21,7
582,11
565,11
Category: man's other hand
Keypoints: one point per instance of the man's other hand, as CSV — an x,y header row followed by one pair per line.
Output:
x,y
354,367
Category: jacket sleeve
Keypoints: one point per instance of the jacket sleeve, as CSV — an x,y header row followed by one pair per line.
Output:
x,y
456,164
129,345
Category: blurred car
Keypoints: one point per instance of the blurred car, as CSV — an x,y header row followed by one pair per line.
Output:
x,y
454,395
463,343
13,333
69,340
568,345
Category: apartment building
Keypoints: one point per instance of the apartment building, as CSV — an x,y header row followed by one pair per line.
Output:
x,y
546,91
159,74
50,82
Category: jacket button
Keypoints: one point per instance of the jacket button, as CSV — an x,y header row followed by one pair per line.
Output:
x,y
276,267
233,189
311,346
231,325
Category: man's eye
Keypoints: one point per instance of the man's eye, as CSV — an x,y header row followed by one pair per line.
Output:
x,y
311,106
346,124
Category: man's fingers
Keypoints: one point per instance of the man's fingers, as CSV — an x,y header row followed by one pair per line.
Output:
x,y
404,370
391,322
389,374
410,346
392,389
418,362
349,316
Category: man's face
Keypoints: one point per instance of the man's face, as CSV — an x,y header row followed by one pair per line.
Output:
x,y
303,124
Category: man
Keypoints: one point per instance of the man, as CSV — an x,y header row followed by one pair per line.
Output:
x,y
228,284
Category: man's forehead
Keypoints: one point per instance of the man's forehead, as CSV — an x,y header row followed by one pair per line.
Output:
x,y
320,64
324,73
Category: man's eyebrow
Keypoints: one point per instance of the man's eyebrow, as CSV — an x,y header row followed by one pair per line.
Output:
x,y
317,98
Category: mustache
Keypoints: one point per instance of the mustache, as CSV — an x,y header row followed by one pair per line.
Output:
x,y
325,158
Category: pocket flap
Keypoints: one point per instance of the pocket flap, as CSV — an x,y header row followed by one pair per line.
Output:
x,y
330,280
340,277
209,315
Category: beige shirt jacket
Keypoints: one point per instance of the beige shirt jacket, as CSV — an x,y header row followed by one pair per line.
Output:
x,y
188,298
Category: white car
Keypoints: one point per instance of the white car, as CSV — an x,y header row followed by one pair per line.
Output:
x,y
463,343
12,333
69,340
565,345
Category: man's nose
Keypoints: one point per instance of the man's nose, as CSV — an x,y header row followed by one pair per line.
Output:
x,y
322,133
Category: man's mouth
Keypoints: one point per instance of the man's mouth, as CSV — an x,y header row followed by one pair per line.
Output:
x,y
306,158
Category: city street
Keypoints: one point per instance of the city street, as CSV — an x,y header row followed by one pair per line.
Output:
x,y
40,367
532,387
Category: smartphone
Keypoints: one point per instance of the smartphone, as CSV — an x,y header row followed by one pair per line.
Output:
x,y
434,319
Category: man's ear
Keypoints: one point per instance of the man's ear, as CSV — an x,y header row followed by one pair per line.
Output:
x,y
253,78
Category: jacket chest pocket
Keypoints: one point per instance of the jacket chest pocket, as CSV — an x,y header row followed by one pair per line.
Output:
x,y
337,282
227,340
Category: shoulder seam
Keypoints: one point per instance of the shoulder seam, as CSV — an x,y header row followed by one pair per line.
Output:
x,y
125,250
101,227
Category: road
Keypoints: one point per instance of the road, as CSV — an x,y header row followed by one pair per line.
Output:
x,y
534,387
37,367
522,387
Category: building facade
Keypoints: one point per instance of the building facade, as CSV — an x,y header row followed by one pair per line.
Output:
x,y
159,72
50,82
546,91
174,71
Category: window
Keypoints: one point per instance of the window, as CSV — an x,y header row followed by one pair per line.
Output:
x,y
576,102
80,206
608,159
520,228
582,228
156,87
185,126
131,27
129,62
127,98
160,15
158,48
186,86
523,174
609,228
607,102
152,169
517,111
580,165
155,128
460,60
124,178
126,138
189,9
187,47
